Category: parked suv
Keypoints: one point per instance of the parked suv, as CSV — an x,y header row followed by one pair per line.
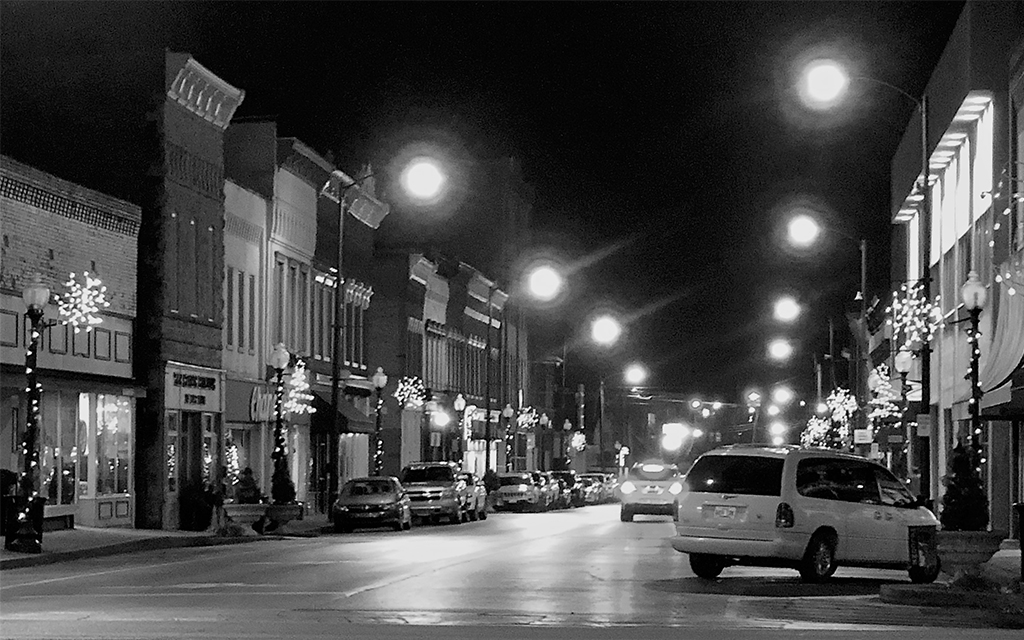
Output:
x,y
809,509
435,490
650,488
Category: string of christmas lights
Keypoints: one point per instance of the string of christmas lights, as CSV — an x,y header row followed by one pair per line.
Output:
x,y
300,400
378,451
280,444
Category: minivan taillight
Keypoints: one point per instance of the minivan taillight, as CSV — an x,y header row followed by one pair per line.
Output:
x,y
784,516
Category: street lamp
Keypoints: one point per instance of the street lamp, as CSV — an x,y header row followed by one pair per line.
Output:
x,y
544,283
423,179
605,330
507,414
782,395
380,380
786,309
822,74
903,361
974,295
635,375
279,359
780,349
26,533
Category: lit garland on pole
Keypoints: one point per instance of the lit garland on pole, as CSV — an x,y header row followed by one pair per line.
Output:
x,y
300,400
82,301
883,403
913,316
832,432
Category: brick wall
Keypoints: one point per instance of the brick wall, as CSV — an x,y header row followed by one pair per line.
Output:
x,y
53,227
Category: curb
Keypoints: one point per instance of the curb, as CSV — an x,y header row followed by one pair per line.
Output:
x,y
935,595
149,544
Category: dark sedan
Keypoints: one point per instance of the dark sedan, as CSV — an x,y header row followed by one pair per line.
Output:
x,y
372,502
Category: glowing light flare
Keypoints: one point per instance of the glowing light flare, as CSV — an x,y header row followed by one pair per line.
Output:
x,y
423,179
544,283
782,395
824,83
780,349
773,410
786,309
635,374
605,330
803,230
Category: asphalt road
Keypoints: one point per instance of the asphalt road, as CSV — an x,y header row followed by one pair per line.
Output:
x,y
566,574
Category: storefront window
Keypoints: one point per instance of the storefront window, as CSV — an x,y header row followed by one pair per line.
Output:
x,y
237,453
113,444
58,452
84,450
172,452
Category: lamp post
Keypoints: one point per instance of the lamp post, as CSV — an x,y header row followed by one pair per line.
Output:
x,y
380,380
507,414
26,533
459,404
826,81
903,361
279,361
974,294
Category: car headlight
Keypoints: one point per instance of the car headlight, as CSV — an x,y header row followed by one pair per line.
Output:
x,y
627,487
675,489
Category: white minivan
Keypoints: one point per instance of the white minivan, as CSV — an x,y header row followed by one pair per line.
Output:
x,y
809,509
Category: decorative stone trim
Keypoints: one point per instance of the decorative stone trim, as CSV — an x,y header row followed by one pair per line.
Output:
x,y
200,91
41,199
242,228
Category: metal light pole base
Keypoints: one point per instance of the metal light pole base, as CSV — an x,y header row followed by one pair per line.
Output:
x,y
25,534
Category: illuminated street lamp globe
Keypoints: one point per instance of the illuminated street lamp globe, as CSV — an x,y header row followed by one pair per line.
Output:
x,y
780,349
803,230
544,283
778,428
824,83
786,309
635,374
423,179
440,418
605,330
782,395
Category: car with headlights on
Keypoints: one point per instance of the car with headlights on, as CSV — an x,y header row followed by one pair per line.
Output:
x,y
435,491
379,501
649,488
517,490
476,498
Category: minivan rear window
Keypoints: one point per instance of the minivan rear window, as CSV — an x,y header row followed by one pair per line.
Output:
x,y
743,475
654,472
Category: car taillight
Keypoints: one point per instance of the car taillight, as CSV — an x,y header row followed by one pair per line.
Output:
x,y
784,516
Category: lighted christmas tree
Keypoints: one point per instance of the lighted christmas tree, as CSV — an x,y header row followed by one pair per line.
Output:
x,y
883,405
410,392
79,305
299,398
833,430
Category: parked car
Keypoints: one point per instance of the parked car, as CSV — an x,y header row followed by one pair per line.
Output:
x,y
650,488
476,496
435,490
517,490
372,502
595,486
809,509
575,487
550,489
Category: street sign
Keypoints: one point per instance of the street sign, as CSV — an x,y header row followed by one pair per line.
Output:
x,y
862,436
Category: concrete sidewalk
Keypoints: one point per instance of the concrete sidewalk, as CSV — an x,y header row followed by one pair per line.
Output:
x,y
91,542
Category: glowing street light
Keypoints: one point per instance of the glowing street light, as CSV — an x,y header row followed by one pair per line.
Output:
x,y
605,330
773,410
423,179
821,408
778,428
695,404
544,283
782,395
778,441
780,349
825,81
803,230
786,309
635,374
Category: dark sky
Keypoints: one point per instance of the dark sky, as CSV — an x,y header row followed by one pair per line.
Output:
x,y
669,132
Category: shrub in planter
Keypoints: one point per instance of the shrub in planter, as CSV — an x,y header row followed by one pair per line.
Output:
x,y
964,505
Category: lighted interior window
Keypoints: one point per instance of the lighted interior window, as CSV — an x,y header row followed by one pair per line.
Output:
x,y
914,248
983,164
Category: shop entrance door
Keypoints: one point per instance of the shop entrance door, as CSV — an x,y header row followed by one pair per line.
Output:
x,y
197,472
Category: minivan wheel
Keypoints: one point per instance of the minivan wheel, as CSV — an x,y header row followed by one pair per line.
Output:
x,y
819,561
706,566
626,515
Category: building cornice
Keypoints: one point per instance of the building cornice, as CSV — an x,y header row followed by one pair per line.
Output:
x,y
203,93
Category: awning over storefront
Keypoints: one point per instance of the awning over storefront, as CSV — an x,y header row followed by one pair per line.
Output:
x,y
352,419
1007,347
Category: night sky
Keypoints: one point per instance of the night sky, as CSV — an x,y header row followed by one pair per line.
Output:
x,y
665,140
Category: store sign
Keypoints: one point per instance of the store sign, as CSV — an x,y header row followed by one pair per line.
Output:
x,y
192,389
261,405
862,436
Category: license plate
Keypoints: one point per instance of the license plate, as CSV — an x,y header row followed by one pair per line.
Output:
x,y
365,514
725,512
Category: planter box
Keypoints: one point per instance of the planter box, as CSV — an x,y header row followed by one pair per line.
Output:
x,y
281,514
245,515
961,553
